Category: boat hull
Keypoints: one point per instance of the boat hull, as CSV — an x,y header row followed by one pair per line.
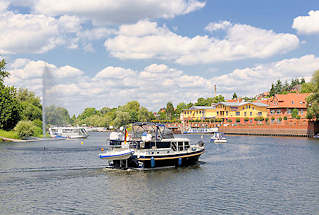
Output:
x,y
220,141
121,155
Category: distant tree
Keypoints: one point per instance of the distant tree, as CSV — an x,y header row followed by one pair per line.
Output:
x,y
307,87
3,72
278,87
180,107
170,110
104,110
201,102
272,91
87,113
122,118
218,98
189,105
57,116
234,96
313,99
302,81
144,115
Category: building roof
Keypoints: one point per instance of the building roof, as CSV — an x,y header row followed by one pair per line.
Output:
x,y
237,104
290,100
200,107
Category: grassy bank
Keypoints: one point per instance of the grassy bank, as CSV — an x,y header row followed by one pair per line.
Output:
x,y
9,134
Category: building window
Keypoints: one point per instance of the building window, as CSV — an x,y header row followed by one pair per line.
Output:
x,y
217,112
237,113
292,102
251,113
278,111
289,111
253,108
226,113
301,111
245,113
260,113
249,106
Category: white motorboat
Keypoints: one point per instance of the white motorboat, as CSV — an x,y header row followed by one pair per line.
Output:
x,y
117,155
218,137
68,132
150,145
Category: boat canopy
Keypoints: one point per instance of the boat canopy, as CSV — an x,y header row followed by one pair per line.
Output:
x,y
157,131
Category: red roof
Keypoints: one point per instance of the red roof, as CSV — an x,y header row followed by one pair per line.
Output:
x,y
290,100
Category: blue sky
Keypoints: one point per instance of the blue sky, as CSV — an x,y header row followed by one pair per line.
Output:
x,y
108,52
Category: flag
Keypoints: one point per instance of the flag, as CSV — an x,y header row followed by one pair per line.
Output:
x,y
125,135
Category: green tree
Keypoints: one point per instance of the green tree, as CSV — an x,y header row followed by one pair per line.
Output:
x,y
313,99
170,110
272,90
180,107
218,98
31,105
3,72
234,96
307,87
57,116
10,108
87,113
122,118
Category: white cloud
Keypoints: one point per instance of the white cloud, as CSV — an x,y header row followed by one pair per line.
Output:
x,y
307,24
253,80
29,33
4,5
102,12
146,40
222,25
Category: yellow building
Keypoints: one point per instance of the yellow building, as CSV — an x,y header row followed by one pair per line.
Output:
x,y
226,110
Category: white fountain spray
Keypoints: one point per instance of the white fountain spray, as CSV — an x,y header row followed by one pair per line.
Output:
x,y
44,77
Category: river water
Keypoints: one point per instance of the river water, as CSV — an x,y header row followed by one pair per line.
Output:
x,y
248,175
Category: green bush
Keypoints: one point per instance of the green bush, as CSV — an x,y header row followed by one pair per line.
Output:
x,y
272,118
9,134
309,115
246,119
280,118
237,119
25,129
285,118
294,113
266,119
261,118
229,120
298,117
256,118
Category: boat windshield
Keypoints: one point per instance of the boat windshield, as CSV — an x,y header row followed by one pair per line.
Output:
x,y
155,130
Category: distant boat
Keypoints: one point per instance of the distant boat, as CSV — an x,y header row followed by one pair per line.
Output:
x,y
218,137
200,130
68,132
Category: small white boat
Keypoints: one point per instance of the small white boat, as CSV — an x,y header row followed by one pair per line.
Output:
x,y
218,137
117,155
68,132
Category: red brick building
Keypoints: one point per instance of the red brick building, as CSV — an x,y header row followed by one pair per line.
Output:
x,y
283,104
